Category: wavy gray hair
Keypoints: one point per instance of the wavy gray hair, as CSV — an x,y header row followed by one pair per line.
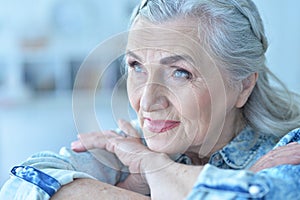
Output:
x,y
235,37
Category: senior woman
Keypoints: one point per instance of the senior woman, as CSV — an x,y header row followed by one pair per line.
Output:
x,y
213,126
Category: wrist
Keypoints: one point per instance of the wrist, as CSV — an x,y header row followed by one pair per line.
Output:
x,y
154,163
163,174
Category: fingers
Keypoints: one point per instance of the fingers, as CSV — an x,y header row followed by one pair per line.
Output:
x,y
78,146
92,140
104,139
284,155
288,152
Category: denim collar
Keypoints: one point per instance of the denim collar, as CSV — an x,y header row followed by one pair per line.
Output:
x,y
240,153
245,149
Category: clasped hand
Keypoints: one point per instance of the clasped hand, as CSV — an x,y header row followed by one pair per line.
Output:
x,y
131,152
128,148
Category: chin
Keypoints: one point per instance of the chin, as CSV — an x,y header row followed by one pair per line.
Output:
x,y
164,148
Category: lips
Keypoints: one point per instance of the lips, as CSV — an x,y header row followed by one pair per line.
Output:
x,y
159,126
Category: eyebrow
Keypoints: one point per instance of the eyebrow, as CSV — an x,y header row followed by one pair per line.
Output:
x,y
130,53
166,60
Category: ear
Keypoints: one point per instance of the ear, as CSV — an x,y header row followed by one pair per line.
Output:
x,y
247,87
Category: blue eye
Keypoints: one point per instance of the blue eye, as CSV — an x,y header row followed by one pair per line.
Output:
x,y
136,66
181,73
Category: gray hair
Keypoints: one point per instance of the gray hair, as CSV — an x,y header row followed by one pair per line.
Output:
x,y
233,32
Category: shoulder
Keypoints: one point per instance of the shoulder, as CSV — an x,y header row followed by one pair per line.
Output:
x,y
292,136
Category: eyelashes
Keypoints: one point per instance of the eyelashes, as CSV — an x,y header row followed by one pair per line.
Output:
x,y
136,66
182,73
176,72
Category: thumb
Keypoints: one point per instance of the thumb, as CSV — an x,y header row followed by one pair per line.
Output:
x,y
128,128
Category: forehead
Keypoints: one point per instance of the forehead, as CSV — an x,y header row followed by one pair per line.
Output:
x,y
176,37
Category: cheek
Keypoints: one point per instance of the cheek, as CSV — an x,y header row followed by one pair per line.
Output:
x,y
194,104
133,94
196,114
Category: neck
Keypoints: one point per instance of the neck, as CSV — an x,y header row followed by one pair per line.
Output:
x,y
196,160
228,133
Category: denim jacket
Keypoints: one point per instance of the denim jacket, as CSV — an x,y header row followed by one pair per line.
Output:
x,y
225,177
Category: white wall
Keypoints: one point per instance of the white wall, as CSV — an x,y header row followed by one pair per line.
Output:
x,y
282,25
37,123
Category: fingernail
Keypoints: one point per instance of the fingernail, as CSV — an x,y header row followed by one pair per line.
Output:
x,y
75,144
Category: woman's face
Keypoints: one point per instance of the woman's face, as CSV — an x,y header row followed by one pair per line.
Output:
x,y
176,89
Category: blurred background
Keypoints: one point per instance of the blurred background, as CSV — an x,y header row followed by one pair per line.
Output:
x,y
43,44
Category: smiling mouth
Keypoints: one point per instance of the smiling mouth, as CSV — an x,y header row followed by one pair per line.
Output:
x,y
159,126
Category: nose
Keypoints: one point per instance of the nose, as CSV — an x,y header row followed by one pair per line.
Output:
x,y
153,98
